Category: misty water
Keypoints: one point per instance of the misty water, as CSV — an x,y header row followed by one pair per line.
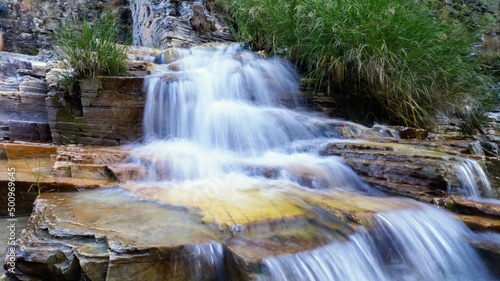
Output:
x,y
221,119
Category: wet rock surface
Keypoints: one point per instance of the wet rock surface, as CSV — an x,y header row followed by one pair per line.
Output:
x,y
179,235
88,233
71,235
35,164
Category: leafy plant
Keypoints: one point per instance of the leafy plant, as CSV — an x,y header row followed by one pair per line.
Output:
x,y
90,48
397,60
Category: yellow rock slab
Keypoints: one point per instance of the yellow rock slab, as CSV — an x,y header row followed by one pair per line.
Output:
x,y
230,202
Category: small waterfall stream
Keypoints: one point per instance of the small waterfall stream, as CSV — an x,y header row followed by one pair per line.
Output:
x,y
222,113
473,180
413,244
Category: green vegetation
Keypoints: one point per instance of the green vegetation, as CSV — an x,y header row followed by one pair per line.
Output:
x,y
36,171
398,61
90,49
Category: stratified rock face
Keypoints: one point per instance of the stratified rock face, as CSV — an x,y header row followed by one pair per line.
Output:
x,y
30,22
23,115
177,23
107,112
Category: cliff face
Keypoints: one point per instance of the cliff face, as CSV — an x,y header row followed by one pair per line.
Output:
x,y
177,23
157,23
29,23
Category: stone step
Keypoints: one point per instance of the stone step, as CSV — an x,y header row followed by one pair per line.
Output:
x,y
480,223
481,207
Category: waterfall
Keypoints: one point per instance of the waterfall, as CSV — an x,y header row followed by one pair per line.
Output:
x,y
473,180
223,98
206,261
413,244
217,108
222,113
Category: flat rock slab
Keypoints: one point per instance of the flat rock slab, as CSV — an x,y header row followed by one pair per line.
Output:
x,y
33,164
176,233
108,234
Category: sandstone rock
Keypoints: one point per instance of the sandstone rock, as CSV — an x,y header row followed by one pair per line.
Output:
x,y
88,234
481,223
108,111
33,164
473,207
90,171
413,133
22,98
92,155
398,168
28,131
126,172
28,150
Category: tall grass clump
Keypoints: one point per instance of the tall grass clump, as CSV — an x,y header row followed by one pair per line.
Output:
x,y
90,49
391,60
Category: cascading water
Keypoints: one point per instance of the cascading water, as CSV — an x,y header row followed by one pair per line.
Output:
x,y
216,119
415,244
473,180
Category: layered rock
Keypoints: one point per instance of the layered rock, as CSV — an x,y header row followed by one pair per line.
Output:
x,y
155,233
22,98
106,111
159,23
88,235
422,170
33,166
174,23
178,236
30,23
399,169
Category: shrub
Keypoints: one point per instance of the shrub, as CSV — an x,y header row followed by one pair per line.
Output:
x,y
90,48
394,59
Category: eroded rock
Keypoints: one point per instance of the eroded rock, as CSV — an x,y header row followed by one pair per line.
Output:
x,y
173,23
71,235
106,112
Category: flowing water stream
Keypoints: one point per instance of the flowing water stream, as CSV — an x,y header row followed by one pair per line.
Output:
x,y
222,121
474,182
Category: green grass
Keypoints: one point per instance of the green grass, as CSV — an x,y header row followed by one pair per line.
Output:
x,y
36,171
90,49
396,61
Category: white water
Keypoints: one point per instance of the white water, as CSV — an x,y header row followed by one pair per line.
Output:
x,y
205,261
473,180
414,244
224,99
220,111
